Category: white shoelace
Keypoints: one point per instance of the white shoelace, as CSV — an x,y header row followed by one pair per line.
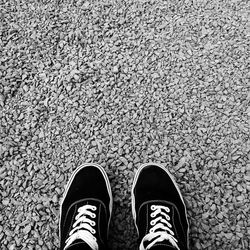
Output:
x,y
83,228
161,224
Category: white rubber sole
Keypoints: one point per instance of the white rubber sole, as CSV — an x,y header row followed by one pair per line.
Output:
x,y
134,184
70,182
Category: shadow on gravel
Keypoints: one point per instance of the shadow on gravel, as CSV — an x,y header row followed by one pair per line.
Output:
x,y
122,233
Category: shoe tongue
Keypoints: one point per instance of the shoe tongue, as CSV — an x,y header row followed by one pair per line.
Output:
x,y
146,205
79,245
89,201
165,244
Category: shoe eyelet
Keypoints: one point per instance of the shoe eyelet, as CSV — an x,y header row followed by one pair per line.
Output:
x,y
93,231
94,208
92,223
152,223
152,215
153,207
151,230
93,215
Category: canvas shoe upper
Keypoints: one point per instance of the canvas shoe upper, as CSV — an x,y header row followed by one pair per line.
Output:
x,y
86,209
158,209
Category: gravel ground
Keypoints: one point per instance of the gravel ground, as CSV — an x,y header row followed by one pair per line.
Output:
x,y
121,83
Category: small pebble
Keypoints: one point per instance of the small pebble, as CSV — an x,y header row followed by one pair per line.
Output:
x,y
5,202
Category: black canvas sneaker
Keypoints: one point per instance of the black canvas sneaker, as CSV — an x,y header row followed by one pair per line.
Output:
x,y
86,209
158,210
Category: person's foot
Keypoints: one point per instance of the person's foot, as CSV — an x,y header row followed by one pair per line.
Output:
x,y
86,209
158,209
